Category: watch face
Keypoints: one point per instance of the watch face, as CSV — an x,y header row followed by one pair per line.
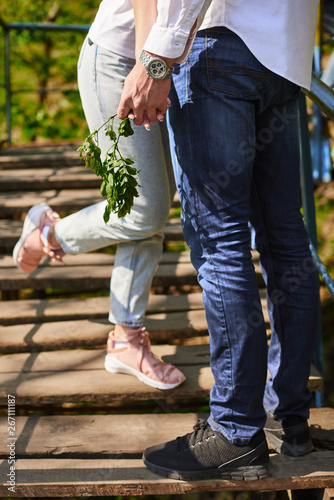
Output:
x,y
157,69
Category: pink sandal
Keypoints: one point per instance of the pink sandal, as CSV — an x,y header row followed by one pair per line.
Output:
x,y
29,250
137,359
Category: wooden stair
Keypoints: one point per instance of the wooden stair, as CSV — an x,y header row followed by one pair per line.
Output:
x,y
80,431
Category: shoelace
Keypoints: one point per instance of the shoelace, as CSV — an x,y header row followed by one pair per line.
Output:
x,y
202,431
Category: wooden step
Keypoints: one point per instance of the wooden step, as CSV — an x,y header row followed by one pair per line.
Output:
x,y
94,275
42,156
66,200
77,436
31,179
77,376
83,455
92,272
10,232
108,477
62,200
18,312
91,333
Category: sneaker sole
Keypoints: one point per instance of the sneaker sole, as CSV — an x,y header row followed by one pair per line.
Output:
x,y
292,450
250,473
113,365
30,224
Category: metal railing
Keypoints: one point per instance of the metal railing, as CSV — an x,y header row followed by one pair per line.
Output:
x,y
7,27
322,96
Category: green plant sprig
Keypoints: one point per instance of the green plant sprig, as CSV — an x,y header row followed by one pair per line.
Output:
x,y
119,181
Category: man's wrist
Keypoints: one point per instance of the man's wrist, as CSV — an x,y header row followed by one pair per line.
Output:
x,y
168,61
158,68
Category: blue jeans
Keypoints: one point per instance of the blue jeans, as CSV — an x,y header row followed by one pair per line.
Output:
x,y
234,138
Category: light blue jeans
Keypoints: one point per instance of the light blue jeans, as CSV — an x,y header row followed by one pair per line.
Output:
x,y
234,141
139,235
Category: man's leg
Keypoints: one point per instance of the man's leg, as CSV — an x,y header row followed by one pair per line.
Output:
x,y
211,120
214,102
289,272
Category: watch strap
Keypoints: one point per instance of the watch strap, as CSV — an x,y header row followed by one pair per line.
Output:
x,y
146,59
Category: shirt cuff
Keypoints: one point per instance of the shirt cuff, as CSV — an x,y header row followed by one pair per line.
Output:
x,y
166,42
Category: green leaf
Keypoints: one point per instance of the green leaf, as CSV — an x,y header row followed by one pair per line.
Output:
x,y
119,180
125,128
110,133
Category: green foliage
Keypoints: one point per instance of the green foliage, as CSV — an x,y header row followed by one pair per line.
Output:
x,y
43,64
119,182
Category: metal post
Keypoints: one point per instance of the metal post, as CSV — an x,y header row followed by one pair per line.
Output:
x,y
8,87
306,181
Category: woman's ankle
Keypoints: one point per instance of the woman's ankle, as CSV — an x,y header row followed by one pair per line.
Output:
x,y
123,331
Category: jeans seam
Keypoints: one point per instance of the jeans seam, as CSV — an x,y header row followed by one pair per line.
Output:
x,y
270,273
133,264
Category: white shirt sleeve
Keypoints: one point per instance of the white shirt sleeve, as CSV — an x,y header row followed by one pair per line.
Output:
x,y
169,36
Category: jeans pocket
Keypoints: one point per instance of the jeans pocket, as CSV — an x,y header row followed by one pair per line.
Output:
x,y
232,68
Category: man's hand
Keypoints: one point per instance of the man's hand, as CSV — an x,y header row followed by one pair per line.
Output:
x,y
144,99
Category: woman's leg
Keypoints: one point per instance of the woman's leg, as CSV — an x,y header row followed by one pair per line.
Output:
x,y
139,236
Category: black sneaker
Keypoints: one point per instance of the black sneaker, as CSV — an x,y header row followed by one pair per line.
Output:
x,y
290,436
205,454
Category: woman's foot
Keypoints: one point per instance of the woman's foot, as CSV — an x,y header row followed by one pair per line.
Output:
x,y
37,238
133,355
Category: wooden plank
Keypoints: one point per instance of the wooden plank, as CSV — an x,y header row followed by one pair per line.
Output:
x,y
73,376
17,312
96,259
95,277
174,269
85,436
66,200
14,312
79,376
19,159
328,494
10,232
79,360
93,332
105,477
56,177
78,436
63,200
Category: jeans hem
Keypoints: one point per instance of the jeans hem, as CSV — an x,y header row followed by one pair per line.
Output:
x,y
240,441
136,324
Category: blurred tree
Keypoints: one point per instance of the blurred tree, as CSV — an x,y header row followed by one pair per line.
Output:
x,y
45,99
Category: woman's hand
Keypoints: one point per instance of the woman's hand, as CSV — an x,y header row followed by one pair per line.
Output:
x,y
144,99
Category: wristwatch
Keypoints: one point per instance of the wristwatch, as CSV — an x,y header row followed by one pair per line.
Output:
x,y
155,67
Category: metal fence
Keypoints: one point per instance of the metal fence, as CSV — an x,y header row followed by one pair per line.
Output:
x,y
7,28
